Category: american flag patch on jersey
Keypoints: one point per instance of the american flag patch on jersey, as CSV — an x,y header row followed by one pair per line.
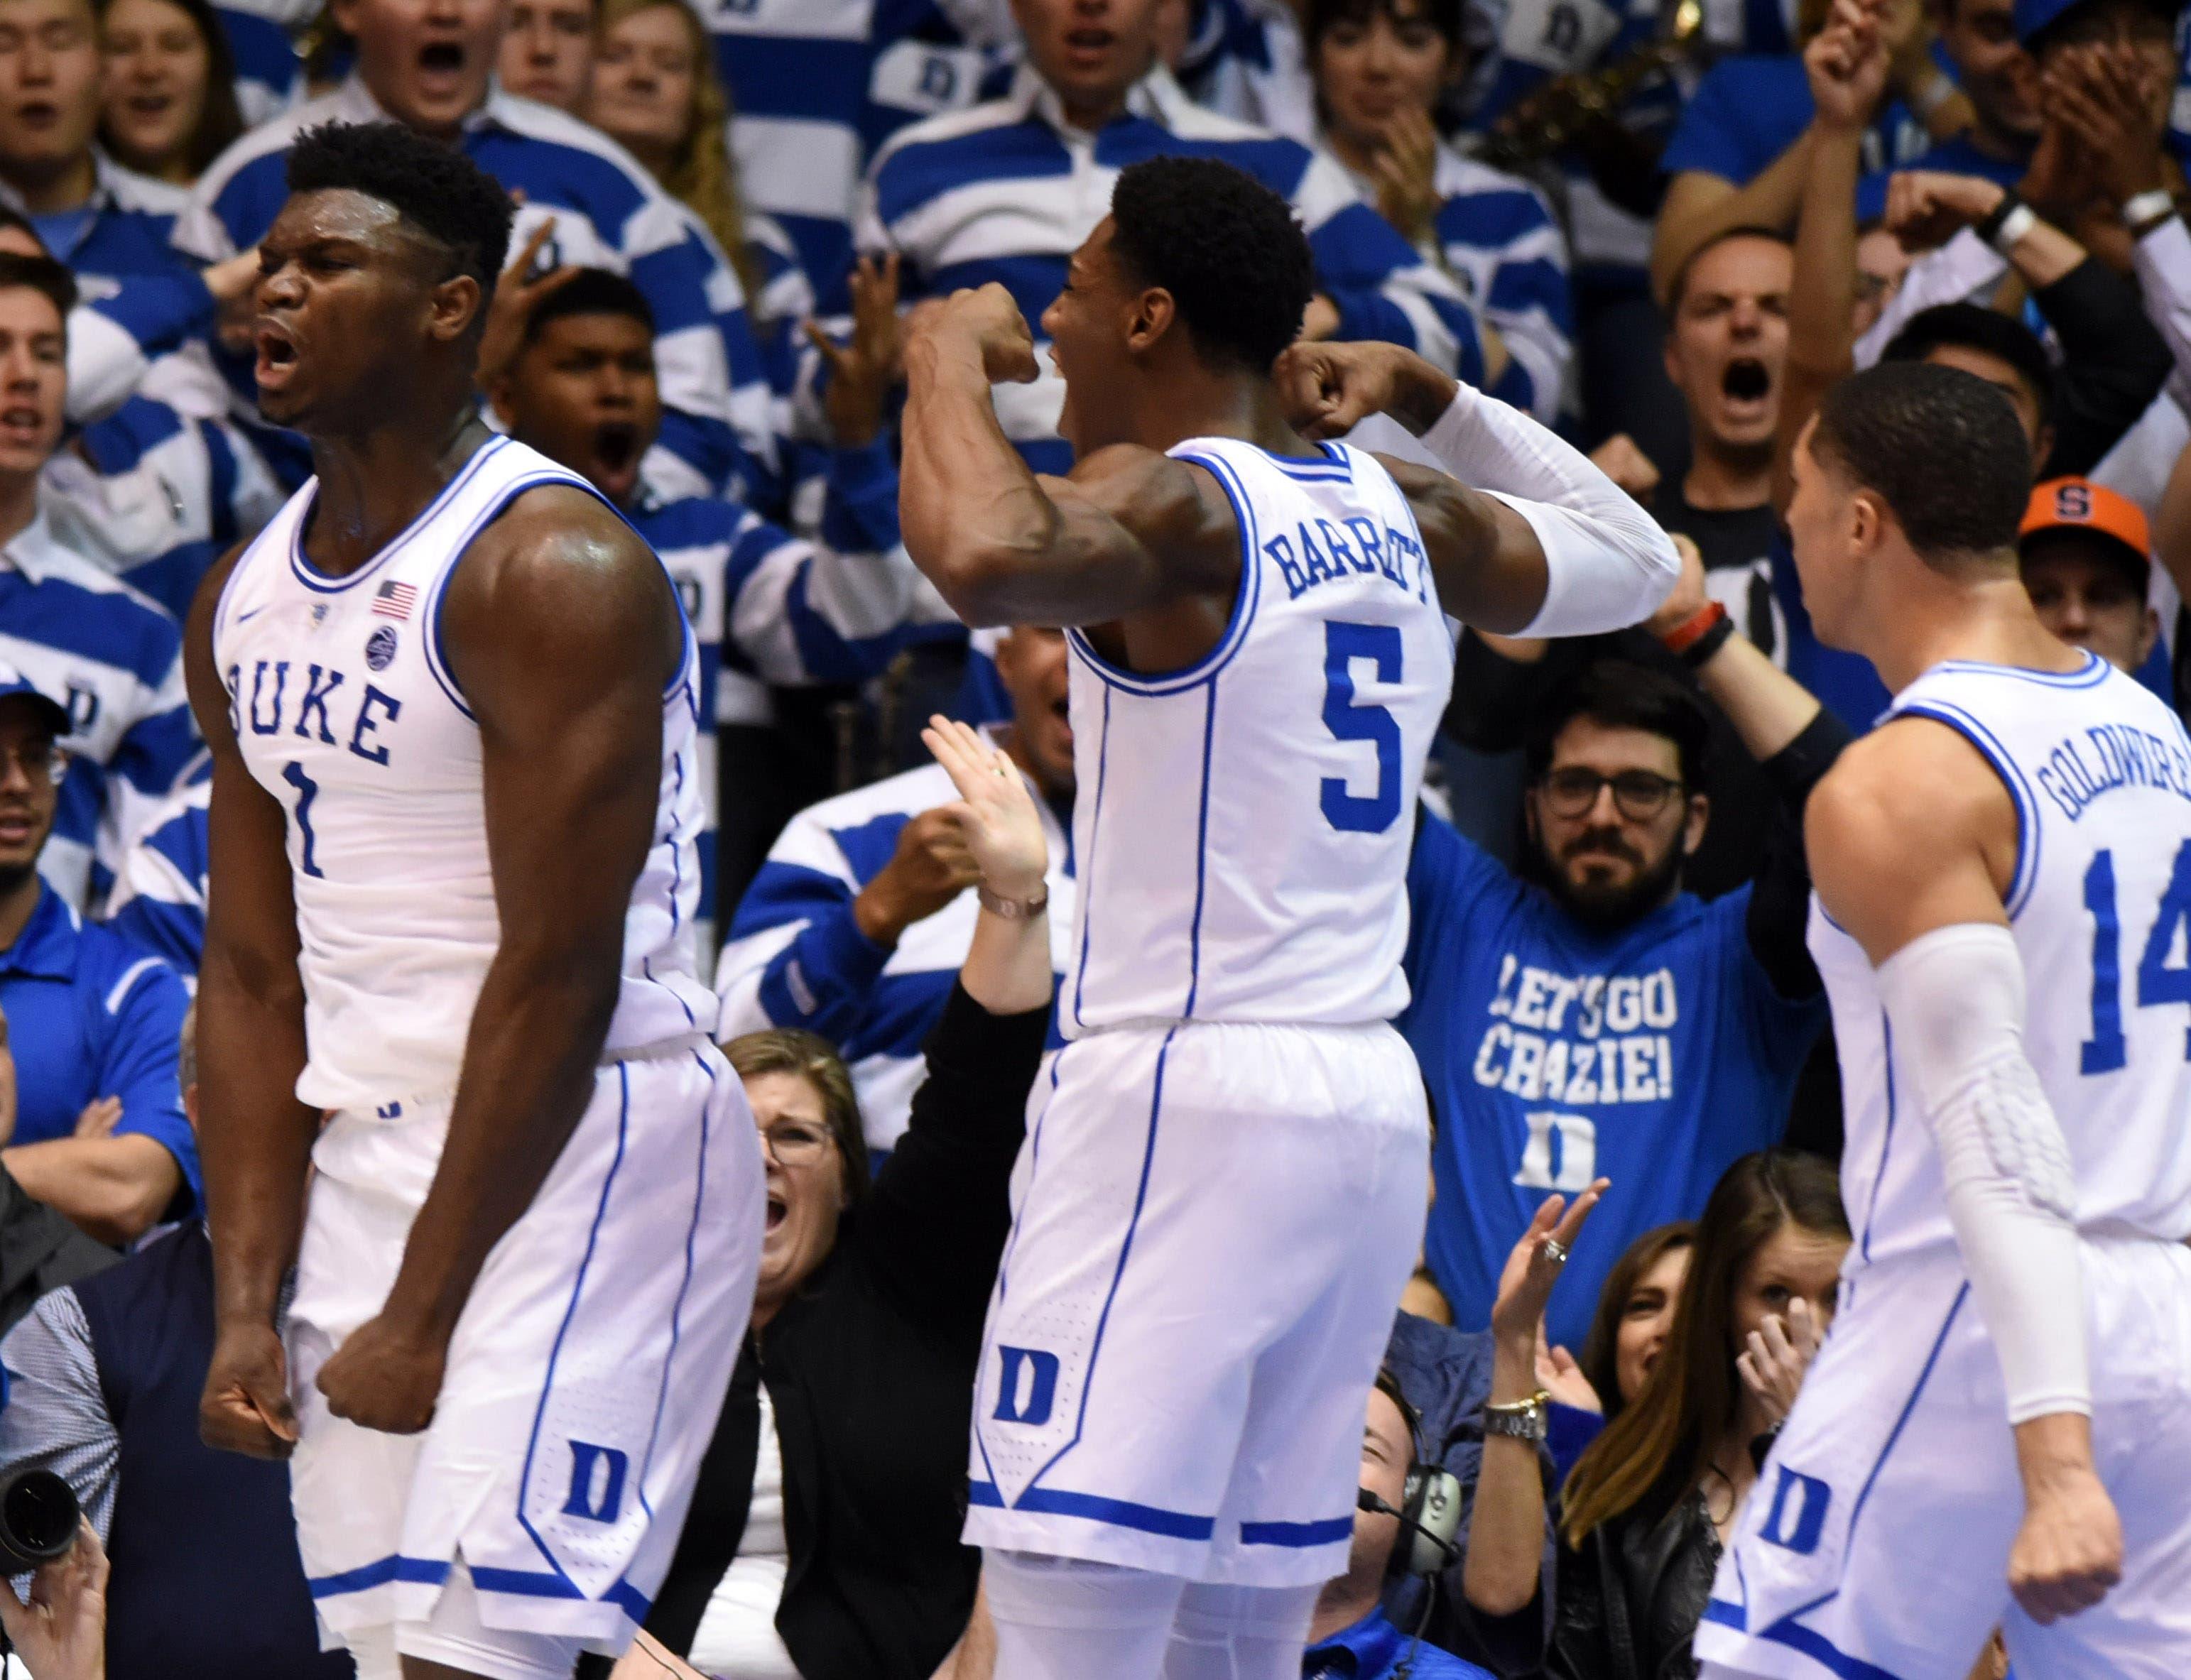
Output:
x,y
395,600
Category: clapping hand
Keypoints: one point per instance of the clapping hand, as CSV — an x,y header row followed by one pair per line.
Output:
x,y
995,812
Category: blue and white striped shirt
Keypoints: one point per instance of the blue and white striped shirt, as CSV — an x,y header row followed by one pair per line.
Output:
x,y
125,232
114,658
270,76
159,896
771,609
609,213
797,958
1006,191
816,86
1497,233
157,496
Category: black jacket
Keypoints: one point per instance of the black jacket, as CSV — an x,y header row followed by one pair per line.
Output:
x,y
1630,1599
870,1368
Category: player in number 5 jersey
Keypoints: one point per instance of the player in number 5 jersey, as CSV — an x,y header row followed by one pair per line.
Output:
x,y
1223,1189
1998,1432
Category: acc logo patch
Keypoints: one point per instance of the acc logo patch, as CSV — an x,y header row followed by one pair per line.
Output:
x,y
380,647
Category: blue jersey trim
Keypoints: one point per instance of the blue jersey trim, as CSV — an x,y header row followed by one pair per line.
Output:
x,y
317,581
1087,882
1332,1530
1886,1139
1201,861
1823,1651
1725,1614
437,590
2090,674
1244,598
1886,1452
555,1347
380,1572
2028,836
1103,1319
684,1284
1121,1513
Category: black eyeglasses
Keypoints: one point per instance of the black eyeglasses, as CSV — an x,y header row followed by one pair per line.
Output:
x,y
1639,795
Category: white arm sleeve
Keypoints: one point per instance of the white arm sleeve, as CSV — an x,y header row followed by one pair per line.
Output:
x,y
1608,565
1954,999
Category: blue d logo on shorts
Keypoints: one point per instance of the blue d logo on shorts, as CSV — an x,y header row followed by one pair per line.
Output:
x,y
1041,1386
590,1464
1798,1531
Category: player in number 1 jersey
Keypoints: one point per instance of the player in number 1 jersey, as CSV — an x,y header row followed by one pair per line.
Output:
x,y
1998,1432
1223,1189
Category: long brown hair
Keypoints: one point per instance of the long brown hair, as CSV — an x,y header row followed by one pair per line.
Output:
x,y
702,177
1601,1349
1693,1394
219,120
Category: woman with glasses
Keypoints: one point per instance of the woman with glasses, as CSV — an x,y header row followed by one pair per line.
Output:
x,y
823,1539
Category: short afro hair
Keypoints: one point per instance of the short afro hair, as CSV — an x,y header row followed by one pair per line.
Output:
x,y
435,188
1941,447
590,291
1228,249
1972,327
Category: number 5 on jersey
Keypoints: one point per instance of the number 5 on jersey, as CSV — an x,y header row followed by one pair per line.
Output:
x,y
1379,646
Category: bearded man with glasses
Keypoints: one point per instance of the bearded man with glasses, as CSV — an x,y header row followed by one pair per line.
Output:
x,y
1586,1017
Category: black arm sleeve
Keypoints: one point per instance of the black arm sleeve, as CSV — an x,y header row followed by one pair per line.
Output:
x,y
1494,697
1780,902
2114,363
933,1227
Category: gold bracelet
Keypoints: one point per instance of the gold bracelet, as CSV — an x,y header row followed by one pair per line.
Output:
x,y
1543,1397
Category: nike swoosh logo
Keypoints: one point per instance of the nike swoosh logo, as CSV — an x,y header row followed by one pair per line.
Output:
x,y
246,617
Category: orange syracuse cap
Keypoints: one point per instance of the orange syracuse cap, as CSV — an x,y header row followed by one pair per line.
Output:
x,y
2079,504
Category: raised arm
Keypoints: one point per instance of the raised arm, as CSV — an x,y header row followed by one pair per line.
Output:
x,y
562,633
1526,537
255,1137
1933,921
1130,530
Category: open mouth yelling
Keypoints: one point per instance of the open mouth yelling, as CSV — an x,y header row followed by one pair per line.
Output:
x,y
276,356
777,1210
616,447
1747,385
441,67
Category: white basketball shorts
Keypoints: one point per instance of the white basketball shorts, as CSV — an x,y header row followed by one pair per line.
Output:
x,y
583,1379
1212,1227
1876,1545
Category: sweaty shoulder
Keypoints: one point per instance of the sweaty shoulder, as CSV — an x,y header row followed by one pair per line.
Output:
x,y
1912,829
559,573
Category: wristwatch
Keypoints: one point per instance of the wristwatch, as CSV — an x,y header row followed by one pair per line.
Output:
x,y
1521,1420
2143,211
1012,910
2007,223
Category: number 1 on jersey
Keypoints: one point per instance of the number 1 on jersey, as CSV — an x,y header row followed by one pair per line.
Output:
x,y
1348,719
307,791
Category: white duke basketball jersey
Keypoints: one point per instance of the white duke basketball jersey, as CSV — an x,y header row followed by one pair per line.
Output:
x,y
345,710
2100,907
1243,826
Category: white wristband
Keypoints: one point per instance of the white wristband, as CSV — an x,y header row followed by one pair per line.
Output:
x,y
2153,204
2014,226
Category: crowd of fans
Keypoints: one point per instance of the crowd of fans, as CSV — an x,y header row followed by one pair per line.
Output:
x,y
1665,231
